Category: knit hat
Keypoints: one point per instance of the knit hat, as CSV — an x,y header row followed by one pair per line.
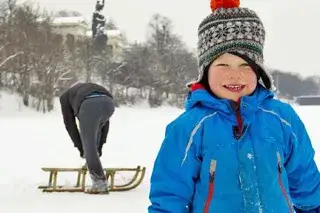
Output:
x,y
230,28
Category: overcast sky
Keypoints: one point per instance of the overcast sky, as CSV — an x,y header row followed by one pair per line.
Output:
x,y
293,29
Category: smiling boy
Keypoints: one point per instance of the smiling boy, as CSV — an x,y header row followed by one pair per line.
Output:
x,y
235,149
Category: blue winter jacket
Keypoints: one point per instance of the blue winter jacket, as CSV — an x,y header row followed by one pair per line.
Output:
x,y
205,164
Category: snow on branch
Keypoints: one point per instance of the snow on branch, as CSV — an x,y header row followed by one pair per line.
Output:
x,y
10,58
119,67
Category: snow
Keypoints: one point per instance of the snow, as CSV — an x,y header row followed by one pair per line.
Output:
x,y
31,140
110,33
69,20
250,156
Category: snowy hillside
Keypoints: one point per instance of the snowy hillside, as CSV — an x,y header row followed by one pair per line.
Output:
x,y
32,140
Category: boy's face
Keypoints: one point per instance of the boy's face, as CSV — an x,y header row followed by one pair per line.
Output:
x,y
231,77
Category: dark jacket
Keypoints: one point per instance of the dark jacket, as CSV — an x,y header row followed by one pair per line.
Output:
x,y
71,101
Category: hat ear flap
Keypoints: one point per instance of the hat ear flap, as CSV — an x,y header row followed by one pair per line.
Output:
x,y
265,79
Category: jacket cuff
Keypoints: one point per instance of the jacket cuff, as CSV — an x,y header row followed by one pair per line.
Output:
x,y
307,209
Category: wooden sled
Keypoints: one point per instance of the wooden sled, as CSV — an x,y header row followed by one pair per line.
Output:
x,y
81,179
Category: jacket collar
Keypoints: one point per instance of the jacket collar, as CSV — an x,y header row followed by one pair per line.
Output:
x,y
247,104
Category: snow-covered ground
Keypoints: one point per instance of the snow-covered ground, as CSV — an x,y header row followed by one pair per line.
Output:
x,y
32,140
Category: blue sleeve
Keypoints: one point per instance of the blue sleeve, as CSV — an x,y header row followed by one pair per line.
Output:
x,y
175,171
303,174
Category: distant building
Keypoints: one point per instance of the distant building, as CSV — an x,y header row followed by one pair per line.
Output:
x,y
284,98
308,100
77,27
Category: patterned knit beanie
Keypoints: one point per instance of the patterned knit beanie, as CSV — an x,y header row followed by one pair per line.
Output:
x,y
230,28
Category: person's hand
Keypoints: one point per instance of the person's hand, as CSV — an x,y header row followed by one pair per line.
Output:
x,y
81,152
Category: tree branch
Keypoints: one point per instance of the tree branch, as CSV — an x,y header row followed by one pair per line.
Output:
x,y
10,58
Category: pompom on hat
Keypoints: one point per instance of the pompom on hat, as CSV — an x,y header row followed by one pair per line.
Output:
x,y
215,4
231,28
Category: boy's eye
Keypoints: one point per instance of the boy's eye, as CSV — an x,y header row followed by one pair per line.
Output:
x,y
244,65
222,65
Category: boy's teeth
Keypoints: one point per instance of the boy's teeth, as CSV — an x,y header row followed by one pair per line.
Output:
x,y
233,86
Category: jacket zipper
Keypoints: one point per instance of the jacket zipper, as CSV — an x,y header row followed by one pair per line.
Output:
x,y
239,120
239,128
281,183
212,171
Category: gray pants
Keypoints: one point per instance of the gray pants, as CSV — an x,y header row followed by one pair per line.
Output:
x,y
93,114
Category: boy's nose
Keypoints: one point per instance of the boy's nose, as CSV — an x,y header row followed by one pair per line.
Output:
x,y
235,74
235,77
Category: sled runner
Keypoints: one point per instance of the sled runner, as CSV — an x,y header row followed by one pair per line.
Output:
x,y
80,185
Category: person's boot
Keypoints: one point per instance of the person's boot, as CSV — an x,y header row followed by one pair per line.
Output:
x,y
98,187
